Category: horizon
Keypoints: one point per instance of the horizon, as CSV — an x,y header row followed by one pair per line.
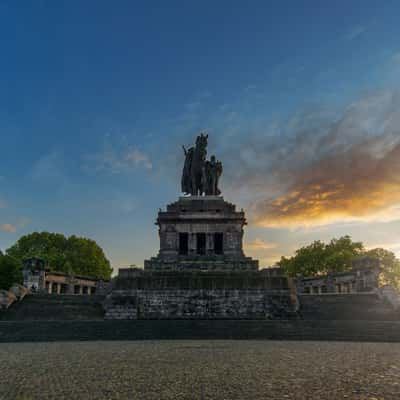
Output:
x,y
301,104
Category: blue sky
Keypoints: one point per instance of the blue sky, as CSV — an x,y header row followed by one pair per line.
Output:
x,y
299,98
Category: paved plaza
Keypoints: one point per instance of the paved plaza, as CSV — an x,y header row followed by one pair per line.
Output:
x,y
200,370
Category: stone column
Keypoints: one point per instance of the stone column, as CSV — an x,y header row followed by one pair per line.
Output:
x,y
192,243
209,243
42,280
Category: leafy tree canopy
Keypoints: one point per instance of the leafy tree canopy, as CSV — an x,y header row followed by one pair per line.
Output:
x,y
10,271
320,258
390,264
73,254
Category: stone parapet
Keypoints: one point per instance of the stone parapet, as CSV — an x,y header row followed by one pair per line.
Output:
x,y
135,278
246,264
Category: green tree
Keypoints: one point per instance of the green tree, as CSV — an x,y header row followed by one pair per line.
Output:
x,y
340,254
74,254
319,258
390,266
10,272
85,257
308,261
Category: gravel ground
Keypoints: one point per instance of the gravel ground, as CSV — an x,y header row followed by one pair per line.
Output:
x,y
200,370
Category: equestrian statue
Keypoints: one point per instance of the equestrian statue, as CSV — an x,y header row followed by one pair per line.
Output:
x,y
200,176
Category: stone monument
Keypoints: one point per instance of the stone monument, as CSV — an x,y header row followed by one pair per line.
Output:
x,y
201,231
200,270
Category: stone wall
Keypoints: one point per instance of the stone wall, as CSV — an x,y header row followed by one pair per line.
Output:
x,y
199,304
354,306
135,278
143,294
49,307
363,277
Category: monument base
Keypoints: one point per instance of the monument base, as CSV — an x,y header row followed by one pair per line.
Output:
x,y
213,264
201,271
139,294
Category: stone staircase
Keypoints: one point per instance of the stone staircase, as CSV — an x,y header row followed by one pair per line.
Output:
x,y
55,307
368,307
322,317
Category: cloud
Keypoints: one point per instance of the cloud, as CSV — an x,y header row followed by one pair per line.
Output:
x,y
353,184
322,167
355,32
396,57
48,168
9,228
391,246
138,158
267,252
117,160
259,244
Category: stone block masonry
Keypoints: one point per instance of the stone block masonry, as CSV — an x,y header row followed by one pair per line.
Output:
x,y
139,294
201,233
199,304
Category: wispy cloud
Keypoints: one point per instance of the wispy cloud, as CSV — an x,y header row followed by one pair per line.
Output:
x,y
49,168
138,158
9,228
392,246
259,244
265,251
115,160
353,184
355,32
324,167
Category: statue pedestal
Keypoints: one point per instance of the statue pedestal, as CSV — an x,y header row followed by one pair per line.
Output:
x,y
201,233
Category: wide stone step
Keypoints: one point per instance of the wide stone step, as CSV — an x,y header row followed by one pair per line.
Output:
x,y
62,298
346,307
55,307
374,331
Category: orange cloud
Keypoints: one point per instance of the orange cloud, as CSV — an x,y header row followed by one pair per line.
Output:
x,y
260,244
9,228
266,252
358,183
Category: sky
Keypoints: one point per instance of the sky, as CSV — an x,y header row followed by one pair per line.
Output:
x,y
301,100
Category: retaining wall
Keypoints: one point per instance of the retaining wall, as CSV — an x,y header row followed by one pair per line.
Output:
x,y
361,306
371,331
200,304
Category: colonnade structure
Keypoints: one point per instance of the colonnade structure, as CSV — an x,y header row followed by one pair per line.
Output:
x,y
37,277
362,278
